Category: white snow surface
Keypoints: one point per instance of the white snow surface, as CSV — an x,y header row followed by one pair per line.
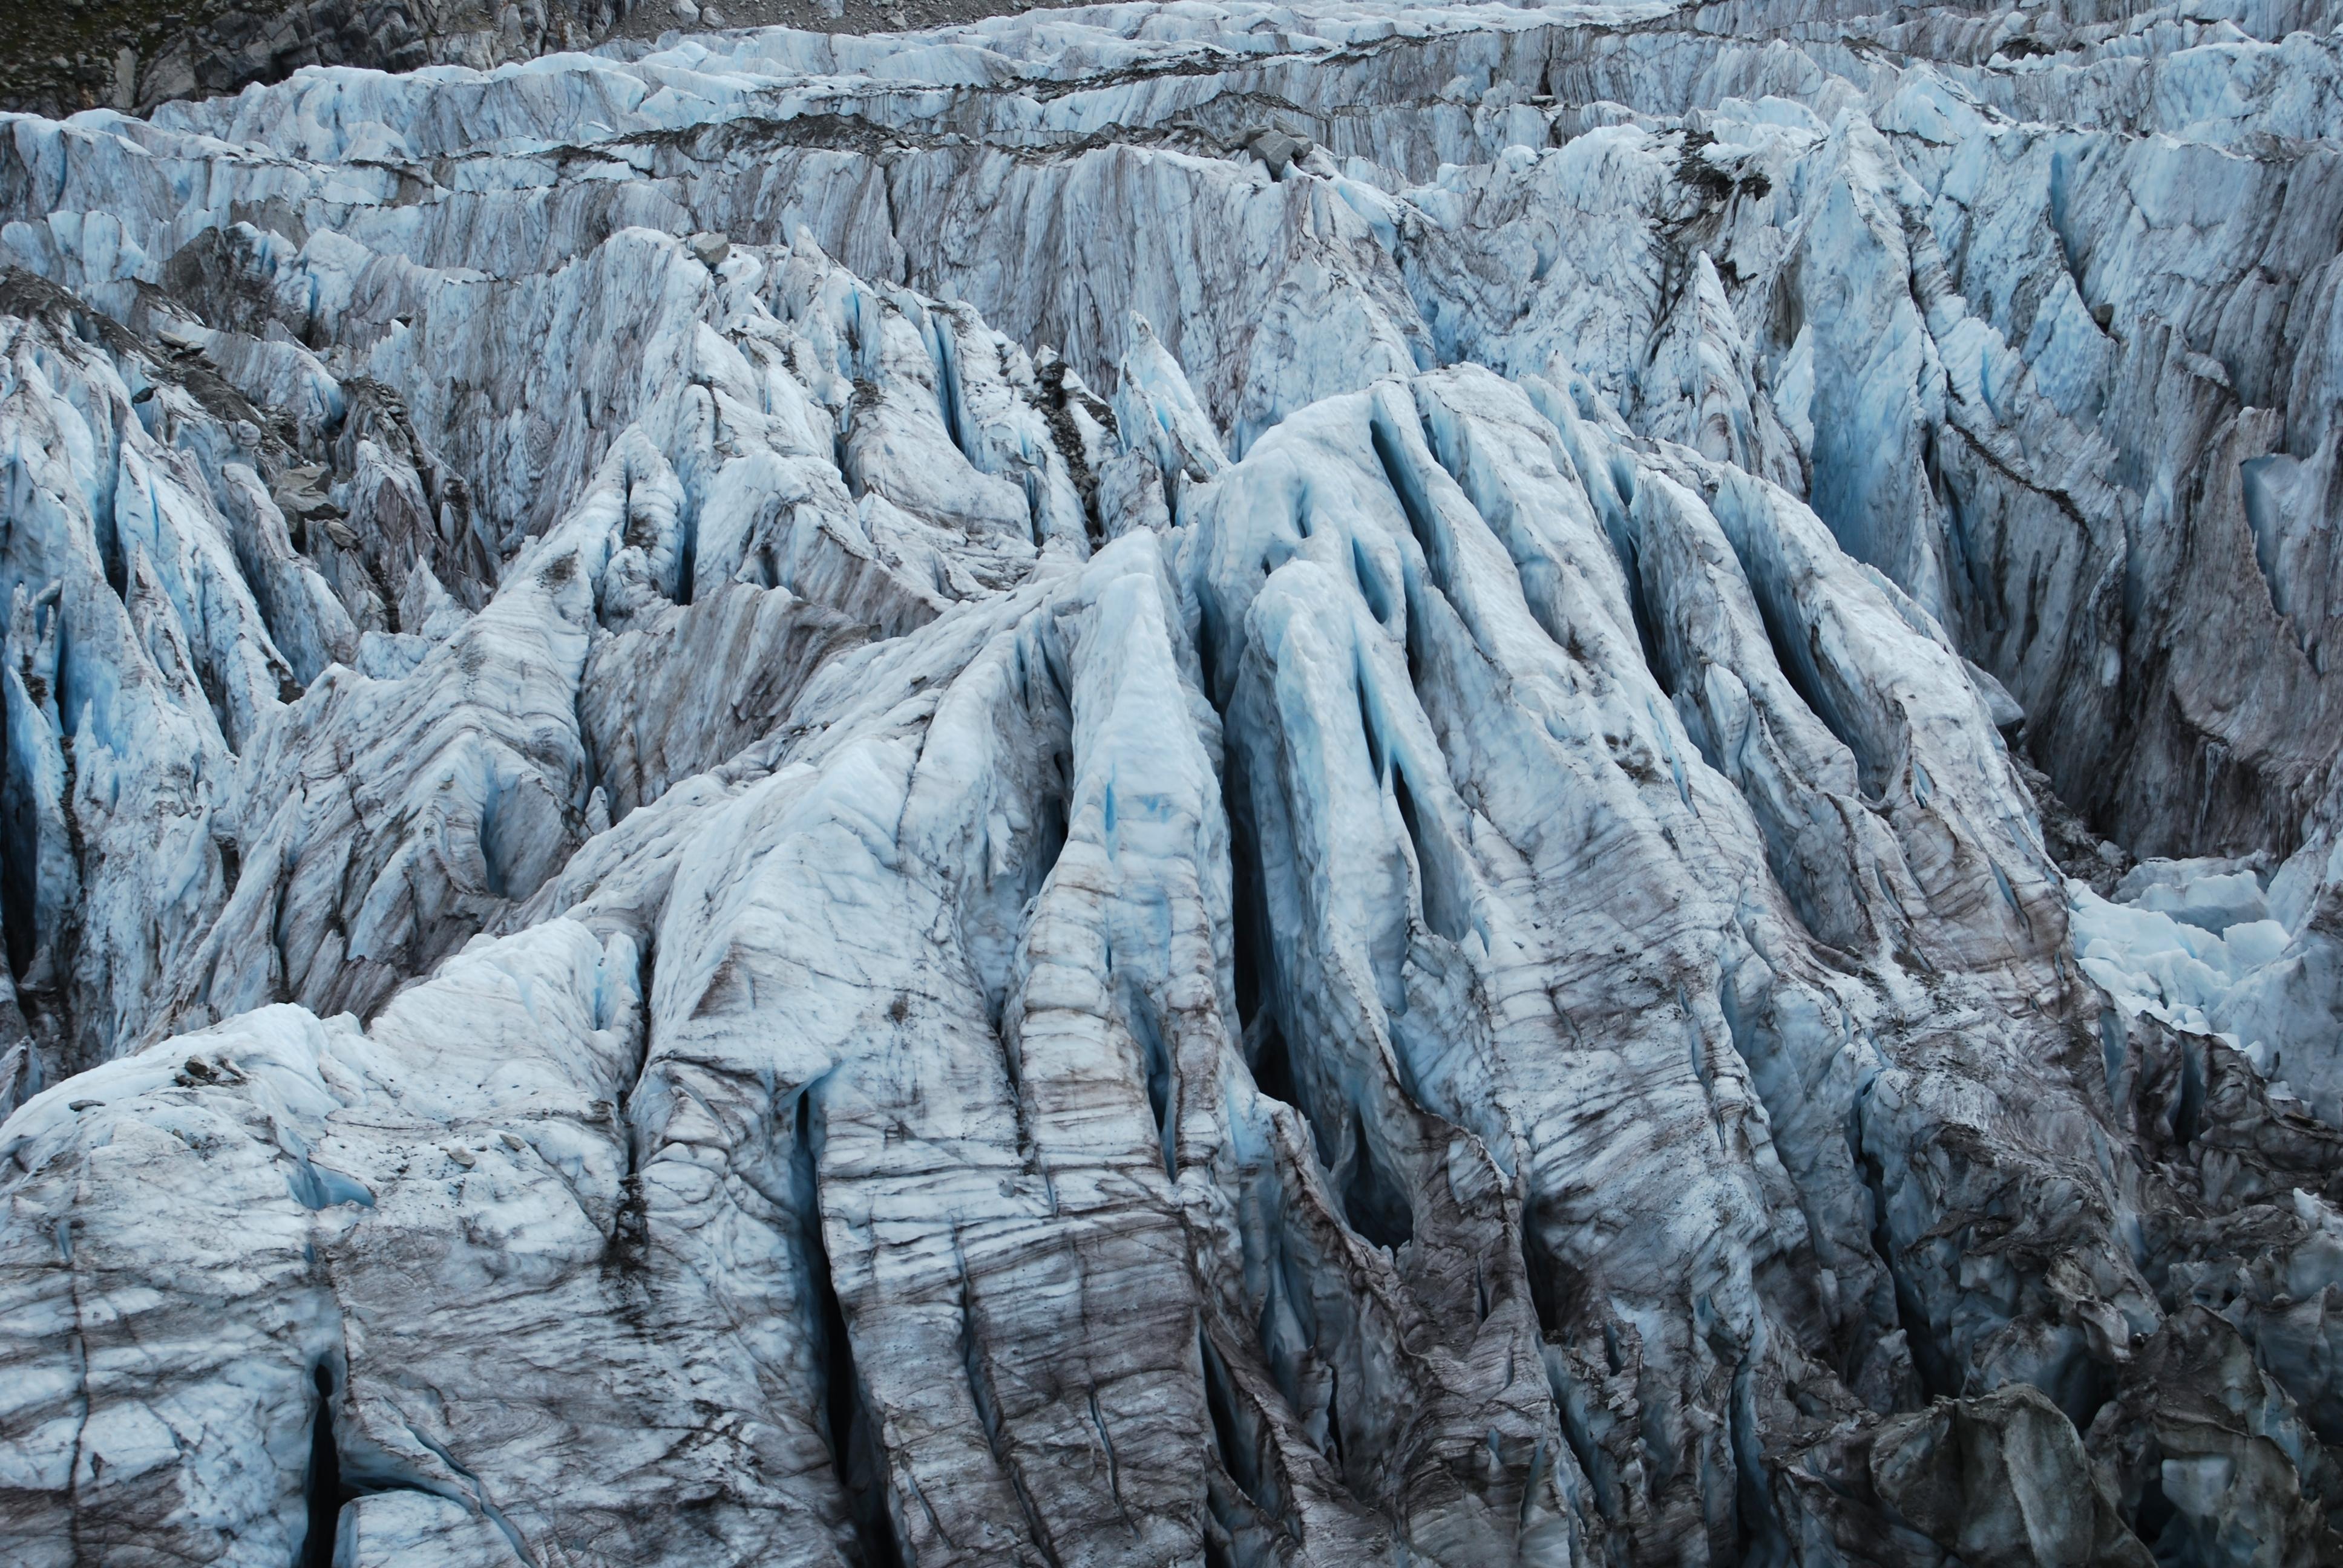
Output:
x,y
801,800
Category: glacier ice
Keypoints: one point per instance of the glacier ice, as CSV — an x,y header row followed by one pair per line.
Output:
x,y
1233,783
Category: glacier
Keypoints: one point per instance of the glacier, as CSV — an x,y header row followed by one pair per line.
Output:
x,y
1192,781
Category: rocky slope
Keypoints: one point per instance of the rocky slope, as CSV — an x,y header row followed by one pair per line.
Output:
x,y
72,54
1180,783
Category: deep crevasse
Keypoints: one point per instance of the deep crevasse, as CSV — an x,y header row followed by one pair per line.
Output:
x,y
884,801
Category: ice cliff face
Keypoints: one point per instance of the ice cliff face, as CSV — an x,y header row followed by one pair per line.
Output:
x,y
1238,784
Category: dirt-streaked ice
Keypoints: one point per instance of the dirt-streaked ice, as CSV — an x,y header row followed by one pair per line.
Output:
x,y
852,800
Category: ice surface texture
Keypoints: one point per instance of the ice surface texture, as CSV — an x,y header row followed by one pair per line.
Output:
x,y
862,801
